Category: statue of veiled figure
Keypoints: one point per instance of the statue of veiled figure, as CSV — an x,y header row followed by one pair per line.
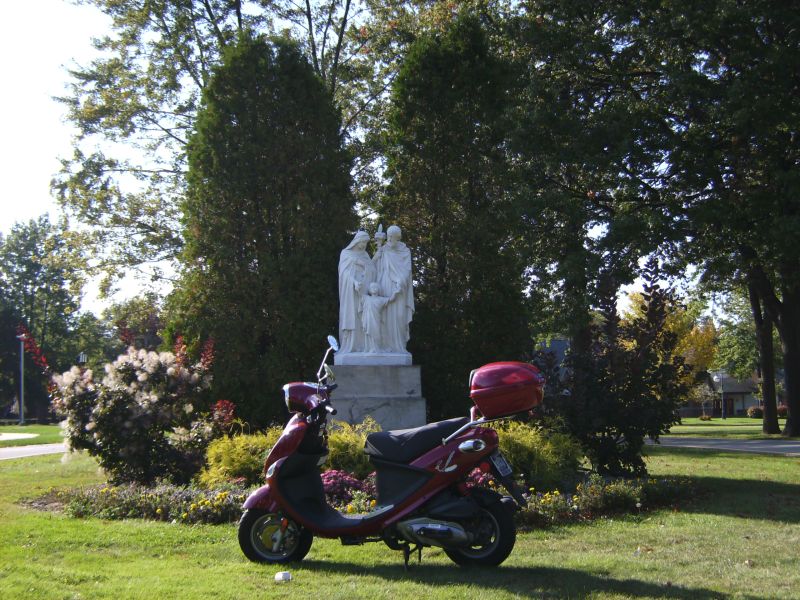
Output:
x,y
375,294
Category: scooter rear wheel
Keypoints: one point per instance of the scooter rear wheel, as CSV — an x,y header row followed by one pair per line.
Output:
x,y
259,538
495,534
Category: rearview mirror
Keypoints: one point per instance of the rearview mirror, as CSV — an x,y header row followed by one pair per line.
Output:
x,y
333,343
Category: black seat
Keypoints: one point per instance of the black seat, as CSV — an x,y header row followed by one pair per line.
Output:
x,y
403,445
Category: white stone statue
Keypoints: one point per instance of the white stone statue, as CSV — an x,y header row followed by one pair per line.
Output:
x,y
372,319
376,300
393,260
356,272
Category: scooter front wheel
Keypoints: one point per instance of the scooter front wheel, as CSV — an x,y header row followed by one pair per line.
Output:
x,y
264,538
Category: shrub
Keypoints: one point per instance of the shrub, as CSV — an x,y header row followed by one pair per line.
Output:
x,y
755,412
239,458
598,496
165,502
628,384
346,447
783,411
143,420
544,459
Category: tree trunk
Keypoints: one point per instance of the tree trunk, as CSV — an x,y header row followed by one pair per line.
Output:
x,y
785,313
790,342
579,327
766,354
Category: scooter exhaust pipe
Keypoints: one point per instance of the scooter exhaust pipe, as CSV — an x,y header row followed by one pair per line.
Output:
x,y
430,532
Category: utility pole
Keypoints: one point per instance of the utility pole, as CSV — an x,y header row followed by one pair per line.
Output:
x,y
22,337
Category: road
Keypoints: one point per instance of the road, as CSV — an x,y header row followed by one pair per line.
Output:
x,y
783,447
37,450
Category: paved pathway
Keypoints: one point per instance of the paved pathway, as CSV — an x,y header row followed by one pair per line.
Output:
x,y
38,450
784,447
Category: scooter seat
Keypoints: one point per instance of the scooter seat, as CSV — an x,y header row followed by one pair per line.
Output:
x,y
403,445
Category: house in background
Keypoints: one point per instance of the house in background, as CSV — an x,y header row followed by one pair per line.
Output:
x,y
738,395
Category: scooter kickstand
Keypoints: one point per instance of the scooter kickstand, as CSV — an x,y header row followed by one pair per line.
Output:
x,y
407,550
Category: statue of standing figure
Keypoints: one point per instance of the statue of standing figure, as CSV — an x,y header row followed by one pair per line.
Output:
x,y
375,318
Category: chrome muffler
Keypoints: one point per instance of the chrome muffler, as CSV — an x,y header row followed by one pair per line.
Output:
x,y
430,532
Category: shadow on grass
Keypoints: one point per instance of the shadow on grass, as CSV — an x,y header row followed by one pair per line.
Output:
x,y
743,498
526,582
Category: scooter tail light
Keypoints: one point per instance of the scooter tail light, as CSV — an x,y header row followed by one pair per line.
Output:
x,y
485,467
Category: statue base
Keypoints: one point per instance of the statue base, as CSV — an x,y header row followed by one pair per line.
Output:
x,y
373,358
390,394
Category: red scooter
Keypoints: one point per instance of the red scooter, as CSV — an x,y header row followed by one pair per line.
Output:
x,y
421,474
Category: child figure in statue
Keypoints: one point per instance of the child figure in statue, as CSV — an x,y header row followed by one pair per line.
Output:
x,y
372,318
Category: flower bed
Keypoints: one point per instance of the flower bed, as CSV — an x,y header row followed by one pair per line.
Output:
x,y
593,498
164,502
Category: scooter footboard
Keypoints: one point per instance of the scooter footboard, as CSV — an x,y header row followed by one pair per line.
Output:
x,y
261,498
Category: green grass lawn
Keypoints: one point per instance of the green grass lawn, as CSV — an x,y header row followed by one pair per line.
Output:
x,y
735,427
737,539
45,434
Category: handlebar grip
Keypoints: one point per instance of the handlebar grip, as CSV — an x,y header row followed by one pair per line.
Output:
x,y
330,409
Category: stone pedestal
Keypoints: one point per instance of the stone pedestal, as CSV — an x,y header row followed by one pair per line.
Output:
x,y
390,394
372,358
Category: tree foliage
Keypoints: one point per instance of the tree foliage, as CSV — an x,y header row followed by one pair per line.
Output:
x,y
41,291
144,90
543,157
695,334
448,170
725,96
267,211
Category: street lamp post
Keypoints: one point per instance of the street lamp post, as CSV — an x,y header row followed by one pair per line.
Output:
x,y
22,337
719,378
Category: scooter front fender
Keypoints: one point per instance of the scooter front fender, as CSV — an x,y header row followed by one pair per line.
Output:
x,y
261,498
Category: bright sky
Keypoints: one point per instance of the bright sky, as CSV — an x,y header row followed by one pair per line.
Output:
x,y
38,41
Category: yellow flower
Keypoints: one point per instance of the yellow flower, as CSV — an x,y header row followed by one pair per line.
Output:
x,y
350,509
373,503
159,511
185,516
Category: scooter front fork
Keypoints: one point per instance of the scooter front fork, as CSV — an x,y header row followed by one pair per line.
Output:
x,y
277,539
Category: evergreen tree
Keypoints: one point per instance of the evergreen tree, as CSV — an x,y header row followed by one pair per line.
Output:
x,y
268,210
449,192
